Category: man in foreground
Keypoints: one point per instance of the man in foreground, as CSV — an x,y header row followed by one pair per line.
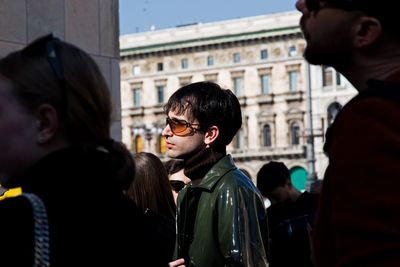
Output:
x,y
220,214
358,223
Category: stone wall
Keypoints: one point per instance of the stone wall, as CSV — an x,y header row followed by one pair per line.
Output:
x,y
93,25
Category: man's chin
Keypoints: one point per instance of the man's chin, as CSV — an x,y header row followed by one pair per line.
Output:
x,y
320,57
173,154
311,58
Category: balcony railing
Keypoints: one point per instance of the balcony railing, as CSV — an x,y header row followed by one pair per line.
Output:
x,y
294,96
269,153
265,99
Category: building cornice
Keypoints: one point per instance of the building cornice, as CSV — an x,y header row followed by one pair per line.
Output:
x,y
276,153
211,43
215,35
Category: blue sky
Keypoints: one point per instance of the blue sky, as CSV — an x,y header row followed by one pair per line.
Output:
x,y
139,15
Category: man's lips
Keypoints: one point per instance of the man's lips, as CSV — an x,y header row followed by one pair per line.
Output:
x,y
170,145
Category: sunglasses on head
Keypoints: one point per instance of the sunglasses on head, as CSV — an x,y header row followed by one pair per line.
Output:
x,y
182,127
177,185
315,5
45,46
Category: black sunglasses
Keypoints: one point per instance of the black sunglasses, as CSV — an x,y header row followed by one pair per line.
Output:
x,y
45,46
176,185
315,5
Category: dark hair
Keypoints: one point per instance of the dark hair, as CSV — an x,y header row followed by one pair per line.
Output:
x,y
385,11
210,105
150,188
54,72
271,176
74,86
123,164
174,165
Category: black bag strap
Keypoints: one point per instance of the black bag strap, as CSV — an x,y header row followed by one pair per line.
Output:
x,y
41,231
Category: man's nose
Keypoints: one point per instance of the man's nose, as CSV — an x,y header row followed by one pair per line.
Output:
x,y
301,6
166,131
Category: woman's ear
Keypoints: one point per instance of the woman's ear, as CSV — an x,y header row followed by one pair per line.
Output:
x,y
367,31
211,135
47,124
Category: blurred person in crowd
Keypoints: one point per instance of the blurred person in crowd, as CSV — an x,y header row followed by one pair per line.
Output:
x,y
151,192
290,217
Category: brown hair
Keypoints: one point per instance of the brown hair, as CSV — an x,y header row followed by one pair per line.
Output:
x,y
54,72
150,188
81,96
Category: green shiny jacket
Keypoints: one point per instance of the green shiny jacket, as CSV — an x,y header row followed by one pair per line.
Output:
x,y
222,220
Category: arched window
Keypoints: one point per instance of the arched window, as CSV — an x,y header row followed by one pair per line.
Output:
x,y
267,135
333,110
295,133
138,143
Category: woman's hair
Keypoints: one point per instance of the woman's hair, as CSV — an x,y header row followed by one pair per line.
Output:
x,y
50,71
150,188
57,73
124,165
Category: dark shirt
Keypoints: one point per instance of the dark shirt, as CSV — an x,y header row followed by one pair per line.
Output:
x,y
91,223
358,222
289,230
161,237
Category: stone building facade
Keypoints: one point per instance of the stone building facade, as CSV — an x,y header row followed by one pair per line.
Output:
x,y
91,24
260,59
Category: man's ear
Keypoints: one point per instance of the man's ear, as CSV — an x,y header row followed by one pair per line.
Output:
x,y
211,135
367,31
47,124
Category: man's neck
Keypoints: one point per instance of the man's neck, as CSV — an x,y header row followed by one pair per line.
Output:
x,y
200,163
371,69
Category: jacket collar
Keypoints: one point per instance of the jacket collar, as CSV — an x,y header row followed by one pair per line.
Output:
x,y
216,173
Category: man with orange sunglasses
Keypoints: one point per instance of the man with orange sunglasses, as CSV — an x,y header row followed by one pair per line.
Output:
x,y
221,218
